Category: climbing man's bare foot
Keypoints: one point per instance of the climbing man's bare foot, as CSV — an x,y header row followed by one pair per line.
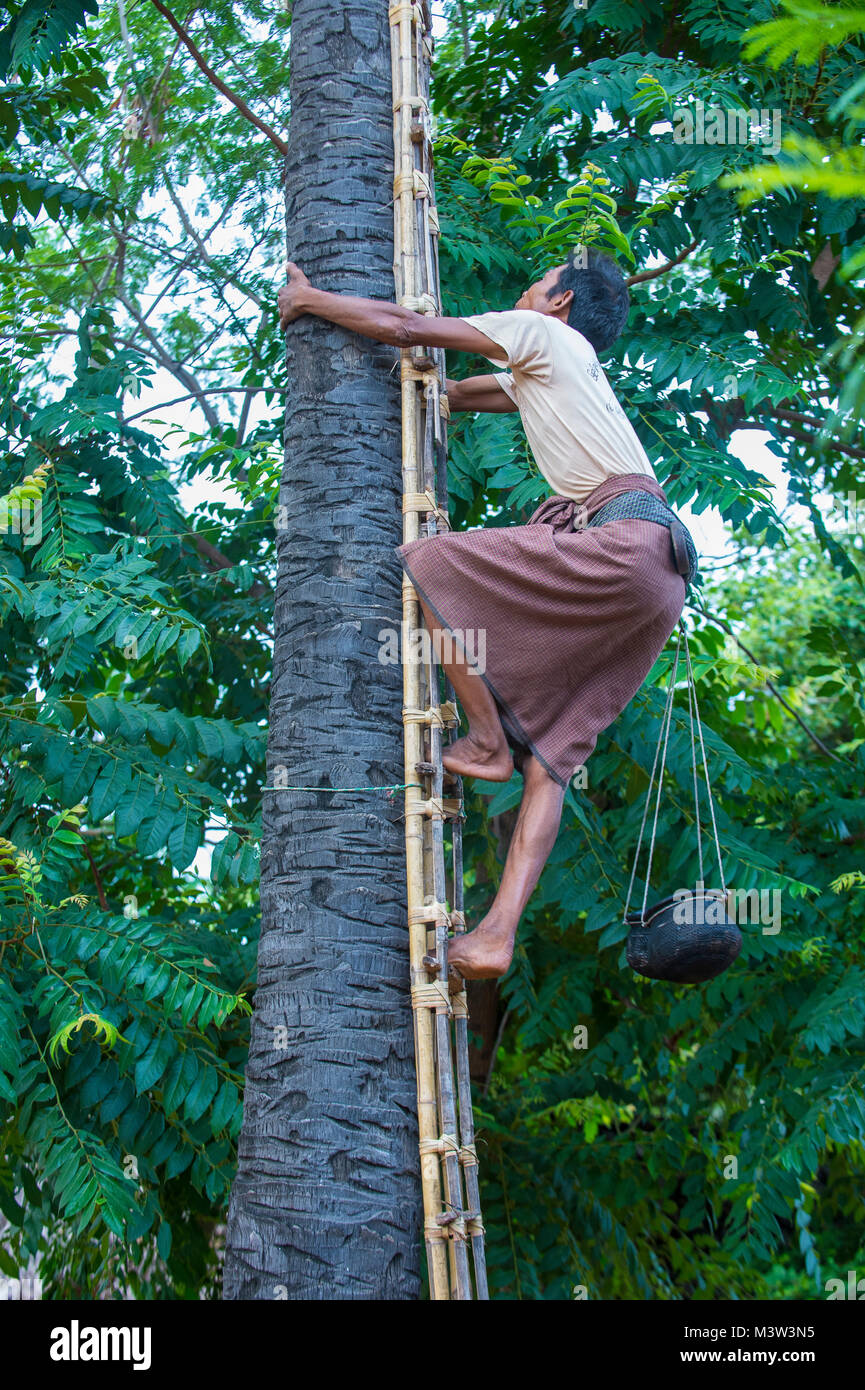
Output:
x,y
468,758
481,954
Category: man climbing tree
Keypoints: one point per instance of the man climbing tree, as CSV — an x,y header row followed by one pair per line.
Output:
x,y
574,607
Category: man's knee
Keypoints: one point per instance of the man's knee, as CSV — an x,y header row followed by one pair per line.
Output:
x,y
536,775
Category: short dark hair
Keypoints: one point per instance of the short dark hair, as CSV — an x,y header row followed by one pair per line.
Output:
x,y
599,308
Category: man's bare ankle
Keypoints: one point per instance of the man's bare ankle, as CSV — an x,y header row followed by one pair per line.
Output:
x,y
498,930
487,744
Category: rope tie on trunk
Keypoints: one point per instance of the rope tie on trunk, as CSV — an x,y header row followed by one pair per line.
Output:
x,y
416,182
403,9
425,502
421,303
433,995
446,1143
437,716
430,912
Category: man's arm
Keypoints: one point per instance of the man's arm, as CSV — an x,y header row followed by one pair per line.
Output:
x,y
482,393
376,318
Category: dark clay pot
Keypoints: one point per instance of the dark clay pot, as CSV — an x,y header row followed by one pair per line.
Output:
x,y
687,939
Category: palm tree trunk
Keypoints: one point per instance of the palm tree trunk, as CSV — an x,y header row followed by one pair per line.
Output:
x,y
326,1204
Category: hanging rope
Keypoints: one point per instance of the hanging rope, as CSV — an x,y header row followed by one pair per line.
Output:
x,y
453,1229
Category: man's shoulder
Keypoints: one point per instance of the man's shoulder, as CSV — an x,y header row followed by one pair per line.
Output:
x,y
570,338
522,316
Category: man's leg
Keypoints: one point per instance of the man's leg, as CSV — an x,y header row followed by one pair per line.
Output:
x,y
484,751
486,952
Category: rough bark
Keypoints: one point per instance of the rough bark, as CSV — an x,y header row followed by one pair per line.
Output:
x,y
326,1204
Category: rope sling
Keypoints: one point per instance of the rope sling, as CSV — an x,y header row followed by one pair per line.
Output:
x,y
453,1230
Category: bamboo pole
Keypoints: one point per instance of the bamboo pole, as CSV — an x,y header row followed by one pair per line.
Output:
x,y
401,19
468,1152
438,481
452,1224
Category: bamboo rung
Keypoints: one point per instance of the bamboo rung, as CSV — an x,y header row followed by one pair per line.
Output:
x,y
438,716
430,996
425,502
410,372
430,912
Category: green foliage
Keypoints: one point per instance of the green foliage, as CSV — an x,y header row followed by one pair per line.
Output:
x,y
136,652
705,1142
39,30
83,1124
92,622
828,161
48,84
132,730
807,31
585,217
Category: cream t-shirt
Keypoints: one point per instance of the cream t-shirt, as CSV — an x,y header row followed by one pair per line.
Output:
x,y
577,431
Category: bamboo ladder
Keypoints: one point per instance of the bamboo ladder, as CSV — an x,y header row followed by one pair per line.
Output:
x,y
453,1230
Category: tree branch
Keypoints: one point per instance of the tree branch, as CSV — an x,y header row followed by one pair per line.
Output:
x,y
183,376
796,416
218,289
825,264
729,415
853,450
164,252
196,395
464,32
217,81
661,269
186,264
202,249
232,62
218,561
243,421
100,889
